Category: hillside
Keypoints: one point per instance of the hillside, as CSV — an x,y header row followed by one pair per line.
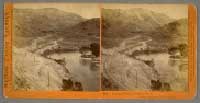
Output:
x,y
170,35
132,20
120,70
176,32
119,24
41,27
33,72
164,31
37,22
88,29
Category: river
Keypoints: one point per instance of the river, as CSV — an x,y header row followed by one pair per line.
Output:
x,y
82,70
173,71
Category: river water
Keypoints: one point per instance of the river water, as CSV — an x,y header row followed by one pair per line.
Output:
x,y
173,71
82,70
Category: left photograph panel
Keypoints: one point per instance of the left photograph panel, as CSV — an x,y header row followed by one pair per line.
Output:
x,y
55,47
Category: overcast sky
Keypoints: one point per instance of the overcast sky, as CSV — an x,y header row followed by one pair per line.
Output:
x,y
92,10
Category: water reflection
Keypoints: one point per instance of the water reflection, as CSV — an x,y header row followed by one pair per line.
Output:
x,y
88,62
173,62
85,62
183,67
94,66
172,71
82,70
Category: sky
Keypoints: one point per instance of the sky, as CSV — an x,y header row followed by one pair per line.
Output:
x,y
92,10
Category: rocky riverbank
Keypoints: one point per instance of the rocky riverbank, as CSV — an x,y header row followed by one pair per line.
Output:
x,y
34,72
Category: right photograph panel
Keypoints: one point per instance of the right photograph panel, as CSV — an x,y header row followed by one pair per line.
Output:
x,y
144,47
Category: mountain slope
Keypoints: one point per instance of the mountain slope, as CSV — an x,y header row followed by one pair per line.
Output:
x,y
86,29
33,72
119,24
178,27
127,73
175,32
34,22
42,26
132,20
